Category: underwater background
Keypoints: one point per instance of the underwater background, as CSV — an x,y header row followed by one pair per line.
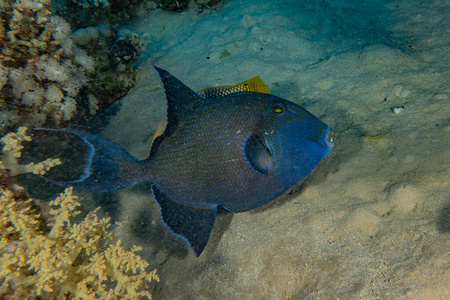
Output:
x,y
372,221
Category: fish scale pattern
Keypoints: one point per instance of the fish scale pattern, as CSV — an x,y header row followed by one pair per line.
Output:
x,y
203,162
208,166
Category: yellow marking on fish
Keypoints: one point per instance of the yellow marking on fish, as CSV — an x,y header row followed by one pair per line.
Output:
x,y
374,137
255,84
159,129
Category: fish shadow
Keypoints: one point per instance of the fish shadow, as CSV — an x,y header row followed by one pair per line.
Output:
x,y
146,227
152,231
443,219
223,222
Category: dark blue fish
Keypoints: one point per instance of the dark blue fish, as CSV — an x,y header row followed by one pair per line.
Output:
x,y
238,151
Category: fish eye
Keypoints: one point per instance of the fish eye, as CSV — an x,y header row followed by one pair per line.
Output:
x,y
277,108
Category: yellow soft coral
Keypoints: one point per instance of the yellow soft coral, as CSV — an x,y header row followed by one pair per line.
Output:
x,y
12,150
13,142
78,261
68,260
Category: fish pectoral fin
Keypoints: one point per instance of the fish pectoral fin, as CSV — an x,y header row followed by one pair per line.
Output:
x,y
192,224
257,154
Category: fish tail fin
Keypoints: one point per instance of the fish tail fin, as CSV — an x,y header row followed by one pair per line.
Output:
x,y
109,166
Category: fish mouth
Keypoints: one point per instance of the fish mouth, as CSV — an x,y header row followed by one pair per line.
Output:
x,y
326,139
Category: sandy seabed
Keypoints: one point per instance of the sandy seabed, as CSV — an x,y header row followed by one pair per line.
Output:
x,y
373,219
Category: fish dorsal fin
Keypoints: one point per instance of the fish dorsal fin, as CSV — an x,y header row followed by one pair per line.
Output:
x,y
255,84
257,153
190,223
178,96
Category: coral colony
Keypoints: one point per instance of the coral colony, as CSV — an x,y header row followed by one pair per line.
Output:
x,y
46,71
41,70
55,258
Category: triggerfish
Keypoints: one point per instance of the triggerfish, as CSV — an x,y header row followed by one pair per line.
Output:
x,y
237,151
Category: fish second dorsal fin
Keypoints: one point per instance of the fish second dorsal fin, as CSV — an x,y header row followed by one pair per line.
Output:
x,y
255,84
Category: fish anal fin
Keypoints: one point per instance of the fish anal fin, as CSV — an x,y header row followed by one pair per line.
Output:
x,y
192,224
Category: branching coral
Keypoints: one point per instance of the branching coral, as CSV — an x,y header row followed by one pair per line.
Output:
x,y
12,151
62,259
81,260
